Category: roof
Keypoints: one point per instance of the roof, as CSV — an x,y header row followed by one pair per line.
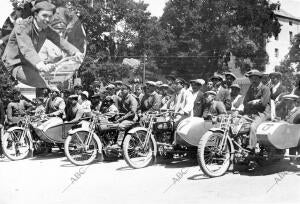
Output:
x,y
284,14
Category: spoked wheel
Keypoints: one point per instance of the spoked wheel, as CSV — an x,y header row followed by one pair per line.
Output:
x,y
213,159
136,154
78,150
15,144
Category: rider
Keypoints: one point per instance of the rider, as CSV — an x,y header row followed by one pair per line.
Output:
x,y
21,53
256,103
16,109
74,111
108,107
197,91
151,100
128,106
211,107
55,104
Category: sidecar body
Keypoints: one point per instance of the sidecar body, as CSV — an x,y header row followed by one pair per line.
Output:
x,y
54,130
281,135
190,131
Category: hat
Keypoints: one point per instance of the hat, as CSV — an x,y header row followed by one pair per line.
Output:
x,y
44,5
198,81
290,97
171,77
180,80
151,83
85,93
158,83
211,93
235,86
275,74
54,88
118,82
230,74
73,97
164,86
110,86
254,72
218,77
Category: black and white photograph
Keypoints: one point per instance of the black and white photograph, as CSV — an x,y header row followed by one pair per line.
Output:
x,y
149,101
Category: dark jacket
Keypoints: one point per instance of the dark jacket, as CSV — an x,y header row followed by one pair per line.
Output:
x,y
281,89
151,102
260,93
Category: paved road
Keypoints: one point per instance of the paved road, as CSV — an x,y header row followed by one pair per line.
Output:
x,y
52,179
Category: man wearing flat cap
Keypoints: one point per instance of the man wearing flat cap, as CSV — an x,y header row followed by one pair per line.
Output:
x,y
21,53
277,89
151,101
256,103
211,107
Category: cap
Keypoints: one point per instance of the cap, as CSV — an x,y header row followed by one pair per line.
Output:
x,y
180,80
275,74
43,5
110,86
290,97
54,88
217,77
210,93
235,86
198,81
85,93
230,74
164,86
118,82
151,83
73,97
254,72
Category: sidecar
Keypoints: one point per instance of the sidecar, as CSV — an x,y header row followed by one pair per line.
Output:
x,y
54,130
190,131
281,135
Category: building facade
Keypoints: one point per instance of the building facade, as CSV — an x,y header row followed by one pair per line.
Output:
x,y
278,47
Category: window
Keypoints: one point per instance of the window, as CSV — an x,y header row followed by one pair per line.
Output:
x,y
276,52
291,36
290,23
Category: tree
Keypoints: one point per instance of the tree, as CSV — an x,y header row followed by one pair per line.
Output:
x,y
203,34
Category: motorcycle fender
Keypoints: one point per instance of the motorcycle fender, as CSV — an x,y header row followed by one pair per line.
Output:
x,y
133,130
230,142
99,143
29,135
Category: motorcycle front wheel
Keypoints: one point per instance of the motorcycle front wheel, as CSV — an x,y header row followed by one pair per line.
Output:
x,y
136,154
78,151
15,144
213,159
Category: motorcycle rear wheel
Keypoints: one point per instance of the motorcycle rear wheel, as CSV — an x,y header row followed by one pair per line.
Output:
x,y
75,150
15,144
134,154
210,156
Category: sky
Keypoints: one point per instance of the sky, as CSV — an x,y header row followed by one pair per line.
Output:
x,y
156,7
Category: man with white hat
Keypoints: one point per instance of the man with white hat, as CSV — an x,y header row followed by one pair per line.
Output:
x,y
86,104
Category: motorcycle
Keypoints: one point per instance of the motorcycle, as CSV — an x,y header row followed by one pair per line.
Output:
x,y
220,147
36,133
87,139
158,136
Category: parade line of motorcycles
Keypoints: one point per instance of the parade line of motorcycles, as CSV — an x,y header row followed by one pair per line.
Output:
x,y
218,143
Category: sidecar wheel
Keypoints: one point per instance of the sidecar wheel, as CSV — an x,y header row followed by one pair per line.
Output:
x,y
134,154
213,162
76,151
15,144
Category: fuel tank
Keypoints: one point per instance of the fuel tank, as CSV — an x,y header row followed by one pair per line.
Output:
x,y
281,135
190,130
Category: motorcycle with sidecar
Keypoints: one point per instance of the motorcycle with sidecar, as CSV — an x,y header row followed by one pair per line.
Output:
x,y
35,134
220,147
158,137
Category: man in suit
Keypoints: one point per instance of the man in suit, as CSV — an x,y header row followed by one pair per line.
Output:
x,y
277,89
197,91
21,53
